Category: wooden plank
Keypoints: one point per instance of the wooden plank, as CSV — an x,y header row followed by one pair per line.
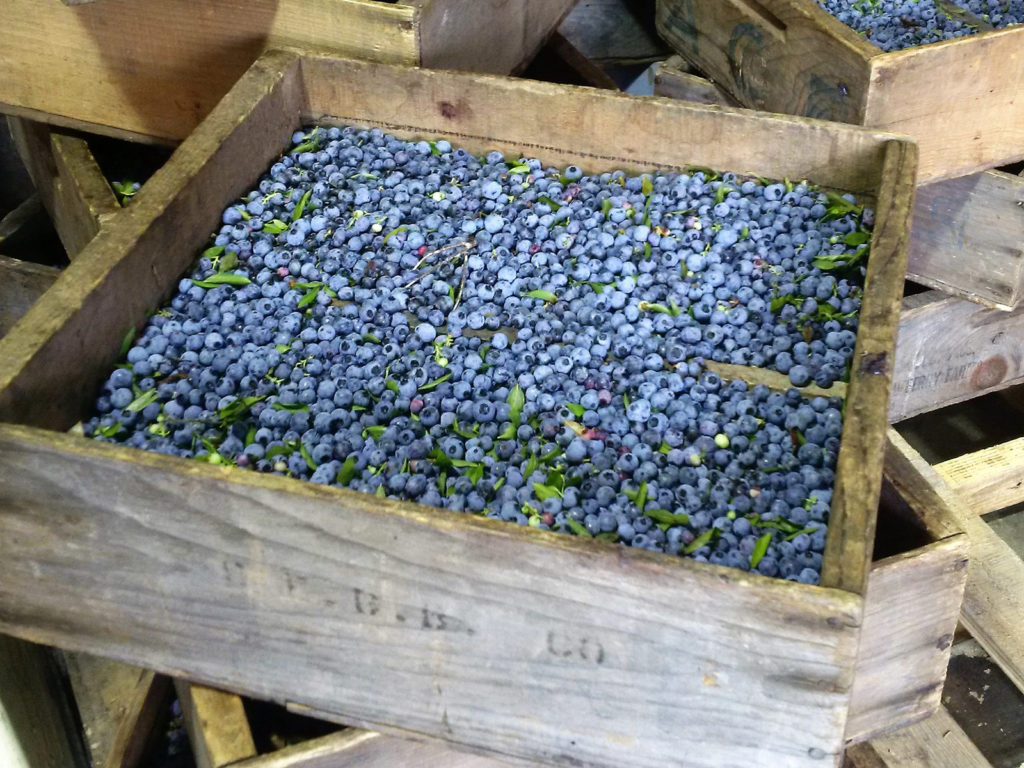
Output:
x,y
938,742
217,726
968,238
987,480
119,706
68,179
35,722
994,596
858,483
75,66
792,56
366,749
590,72
347,575
212,556
910,614
21,285
949,350
19,217
490,36
675,81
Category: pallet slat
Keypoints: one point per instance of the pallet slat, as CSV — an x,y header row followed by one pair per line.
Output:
x,y
938,742
949,350
990,479
994,595
968,238
216,724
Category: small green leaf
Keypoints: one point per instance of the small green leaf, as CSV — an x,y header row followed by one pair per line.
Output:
x,y
476,472
308,299
646,187
287,449
282,348
462,432
126,342
142,401
606,208
664,448
464,463
275,227
213,252
760,548
250,436
577,409
371,338
647,306
229,262
548,202
516,400
532,465
647,251
395,231
374,431
578,528
290,407
543,295
665,517
110,430
857,238
625,401
347,471
306,457
300,208
545,492
392,385
519,169
430,385
700,541
641,496
498,483
379,493
222,278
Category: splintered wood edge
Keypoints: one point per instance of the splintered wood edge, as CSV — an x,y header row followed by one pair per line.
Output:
x,y
850,540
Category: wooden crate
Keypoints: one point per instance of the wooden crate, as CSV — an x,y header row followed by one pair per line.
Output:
x,y
968,238
394,616
80,66
959,99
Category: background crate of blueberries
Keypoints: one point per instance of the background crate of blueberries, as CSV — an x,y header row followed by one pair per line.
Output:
x,y
445,277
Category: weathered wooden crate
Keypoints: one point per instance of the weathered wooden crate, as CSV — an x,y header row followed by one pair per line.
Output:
x,y
968,238
959,99
397,617
154,70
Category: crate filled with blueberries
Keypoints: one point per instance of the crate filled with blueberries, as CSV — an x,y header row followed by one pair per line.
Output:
x,y
528,343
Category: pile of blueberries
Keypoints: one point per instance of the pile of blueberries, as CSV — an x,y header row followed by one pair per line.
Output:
x,y
896,24
527,343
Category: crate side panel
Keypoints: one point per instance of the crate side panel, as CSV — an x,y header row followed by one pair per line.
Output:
x,y
52,361
968,238
777,55
585,125
910,613
960,99
858,481
949,350
498,36
181,57
269,587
